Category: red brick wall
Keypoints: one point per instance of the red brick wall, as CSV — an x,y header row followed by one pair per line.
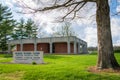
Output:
x,y
18,47
72,48
43,47
60,47
28,47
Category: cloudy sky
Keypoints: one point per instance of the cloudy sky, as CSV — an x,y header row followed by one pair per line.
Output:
x,y
84,27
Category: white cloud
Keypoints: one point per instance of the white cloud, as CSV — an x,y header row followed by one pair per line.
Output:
x,y
45,21
115,27
118,1
91,36
118,6
117,43
118,9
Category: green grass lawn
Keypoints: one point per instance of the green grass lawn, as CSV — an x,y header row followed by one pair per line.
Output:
x,y
56,67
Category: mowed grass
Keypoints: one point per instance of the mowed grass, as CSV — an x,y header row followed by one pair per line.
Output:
x,y
56,67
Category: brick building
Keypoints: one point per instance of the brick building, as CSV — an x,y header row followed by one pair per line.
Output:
x,y
58,45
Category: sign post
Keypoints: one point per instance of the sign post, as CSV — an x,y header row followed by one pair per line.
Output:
x,y
28,57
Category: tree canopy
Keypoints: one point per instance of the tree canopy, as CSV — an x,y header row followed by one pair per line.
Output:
x,y
6,26
24,29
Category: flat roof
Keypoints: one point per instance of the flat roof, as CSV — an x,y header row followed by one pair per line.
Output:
x,y
48,40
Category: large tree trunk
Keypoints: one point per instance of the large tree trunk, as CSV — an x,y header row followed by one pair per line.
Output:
x,y
106,57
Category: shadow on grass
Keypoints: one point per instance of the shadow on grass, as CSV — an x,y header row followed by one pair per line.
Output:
x,y
93,53
6,55
68,76
116,51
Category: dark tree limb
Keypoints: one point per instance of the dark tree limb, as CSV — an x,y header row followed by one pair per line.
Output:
x,y
75,12
66,4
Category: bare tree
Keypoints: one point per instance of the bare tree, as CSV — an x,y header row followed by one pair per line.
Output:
x,y
106,58
65,30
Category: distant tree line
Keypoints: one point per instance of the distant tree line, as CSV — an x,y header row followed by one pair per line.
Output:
x,y
92,48
116,49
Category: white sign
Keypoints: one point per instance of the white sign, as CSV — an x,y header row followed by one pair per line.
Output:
x,y
28,56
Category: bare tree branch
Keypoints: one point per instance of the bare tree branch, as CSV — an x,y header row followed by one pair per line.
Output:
x,y
55,5
78,10
71,11
67,4
74,6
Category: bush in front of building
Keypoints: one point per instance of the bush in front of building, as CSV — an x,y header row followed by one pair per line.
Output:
x,y
34,63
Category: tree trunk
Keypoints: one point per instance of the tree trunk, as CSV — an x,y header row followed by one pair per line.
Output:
x,y
106,57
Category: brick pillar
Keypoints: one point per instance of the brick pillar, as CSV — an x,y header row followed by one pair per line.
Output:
x,y
68,47
51,48
21,45
35,44
9,48
75,49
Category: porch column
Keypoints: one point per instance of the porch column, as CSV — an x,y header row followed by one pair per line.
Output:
x,y
35,45
75,50
51,48
78,47
9,48
21,45
68,47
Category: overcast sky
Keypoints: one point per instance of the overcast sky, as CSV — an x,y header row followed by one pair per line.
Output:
x,y
84,27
